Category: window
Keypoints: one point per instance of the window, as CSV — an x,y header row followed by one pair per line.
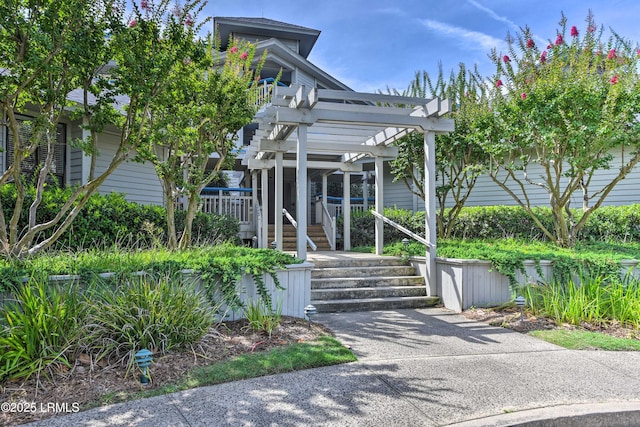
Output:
x,y
30,164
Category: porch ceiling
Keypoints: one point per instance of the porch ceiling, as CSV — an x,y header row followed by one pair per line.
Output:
x,y
343,127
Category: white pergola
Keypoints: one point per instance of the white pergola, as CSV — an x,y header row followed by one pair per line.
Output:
x,y
330,130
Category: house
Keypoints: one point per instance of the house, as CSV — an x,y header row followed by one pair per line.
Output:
x,y
267,170
345,134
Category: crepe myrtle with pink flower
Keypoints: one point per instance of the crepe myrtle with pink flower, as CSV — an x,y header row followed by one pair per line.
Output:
x,y
563,113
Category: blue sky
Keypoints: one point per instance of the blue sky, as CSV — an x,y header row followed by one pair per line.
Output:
x,y
374,44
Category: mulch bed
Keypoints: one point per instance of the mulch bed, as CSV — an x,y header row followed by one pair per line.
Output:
x,y
87,383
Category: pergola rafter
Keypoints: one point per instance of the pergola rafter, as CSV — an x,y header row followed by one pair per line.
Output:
x,y
330,130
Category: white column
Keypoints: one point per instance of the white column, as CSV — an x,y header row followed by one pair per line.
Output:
x,y
324,188
365,191
309,197
346,210
254,203
264,182
379,233
414,189
279,183
301,193
430,208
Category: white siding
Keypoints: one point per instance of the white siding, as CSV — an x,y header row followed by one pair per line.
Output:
x,y
486,192
396,193
138,182
304,79
75,156
252,38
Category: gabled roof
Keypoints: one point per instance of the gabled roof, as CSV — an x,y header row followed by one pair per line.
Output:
x,y
265,28
279,54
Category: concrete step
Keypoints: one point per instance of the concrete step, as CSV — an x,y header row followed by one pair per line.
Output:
x,y
373,261
364,282
367,271
369,304
367,292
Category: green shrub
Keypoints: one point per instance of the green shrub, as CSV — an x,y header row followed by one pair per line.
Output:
x,y
500,222
108,220
607,223
262,318
144,312
40,329
592,298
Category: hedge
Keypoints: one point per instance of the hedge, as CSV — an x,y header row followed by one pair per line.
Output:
x,y
608,223
110,219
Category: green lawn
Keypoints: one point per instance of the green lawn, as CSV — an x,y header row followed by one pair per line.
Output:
x,y
586,340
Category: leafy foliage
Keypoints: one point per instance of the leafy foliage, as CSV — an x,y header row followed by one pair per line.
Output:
x,y
40,329
144,312
110,219
562,110
588,297
459,158
207,102
262,318
612,224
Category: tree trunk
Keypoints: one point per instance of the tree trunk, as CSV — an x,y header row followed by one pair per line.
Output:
x,y
185,239
170,206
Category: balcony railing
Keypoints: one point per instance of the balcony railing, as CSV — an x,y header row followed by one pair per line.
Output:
x,y
335,206
235,202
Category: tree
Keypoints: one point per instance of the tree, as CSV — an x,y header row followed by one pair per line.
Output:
x,y
459,159
209,100
562,109
47,49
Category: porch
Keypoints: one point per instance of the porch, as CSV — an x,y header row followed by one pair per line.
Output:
x,y
239,202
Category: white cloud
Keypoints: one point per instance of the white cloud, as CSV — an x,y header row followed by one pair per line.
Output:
x,y
466,38
494,15
504,19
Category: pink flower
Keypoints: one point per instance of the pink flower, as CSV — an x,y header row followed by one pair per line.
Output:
x,y
591,28
549,46
132,23
506,59
559,40
144,4
638,52
523,95
543,57
234,49
530,43
574,31
499,83
612,54
614,79
188,21
244,55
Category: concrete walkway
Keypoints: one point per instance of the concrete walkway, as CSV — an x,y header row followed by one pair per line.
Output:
x,y
426,367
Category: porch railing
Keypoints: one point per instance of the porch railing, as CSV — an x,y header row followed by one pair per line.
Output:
x,y
235,202
293,222
335,206
329,225
404,230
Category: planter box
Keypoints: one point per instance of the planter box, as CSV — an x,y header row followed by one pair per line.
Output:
x,y
463,283
296,295
295,278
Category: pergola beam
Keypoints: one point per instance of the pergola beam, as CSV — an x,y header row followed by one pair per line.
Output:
x,y
328,147
270,163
